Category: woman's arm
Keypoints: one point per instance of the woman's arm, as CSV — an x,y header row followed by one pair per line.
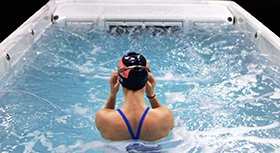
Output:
x,y
164,112
150,87
155,103
114,88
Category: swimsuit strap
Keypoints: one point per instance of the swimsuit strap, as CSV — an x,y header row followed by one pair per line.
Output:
x,y
141,122
139,126
127,123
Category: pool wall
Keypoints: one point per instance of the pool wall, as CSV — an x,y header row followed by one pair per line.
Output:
x,y
106,13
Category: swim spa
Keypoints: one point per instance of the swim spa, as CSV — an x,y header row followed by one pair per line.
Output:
x,y
216,67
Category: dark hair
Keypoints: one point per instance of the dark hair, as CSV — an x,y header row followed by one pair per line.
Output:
x,y
137,76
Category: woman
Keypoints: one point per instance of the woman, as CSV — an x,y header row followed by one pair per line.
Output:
x,y
134,119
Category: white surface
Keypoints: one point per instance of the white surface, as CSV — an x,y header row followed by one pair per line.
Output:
x,y
103,12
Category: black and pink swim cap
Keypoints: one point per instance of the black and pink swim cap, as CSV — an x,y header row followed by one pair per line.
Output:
x,y
133,71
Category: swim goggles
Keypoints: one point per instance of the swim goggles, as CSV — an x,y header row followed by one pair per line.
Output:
x,y
125,70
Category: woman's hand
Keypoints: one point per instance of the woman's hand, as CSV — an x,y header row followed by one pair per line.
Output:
x,y
150,86
114,88
114,84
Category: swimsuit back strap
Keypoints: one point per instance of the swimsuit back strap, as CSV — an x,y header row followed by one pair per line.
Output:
x,y
141,122
127,123
139,126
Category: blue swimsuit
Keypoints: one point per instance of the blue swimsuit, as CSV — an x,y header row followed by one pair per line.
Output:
x,y
139,126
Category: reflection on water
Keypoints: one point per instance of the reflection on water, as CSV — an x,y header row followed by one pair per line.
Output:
x,y
223,92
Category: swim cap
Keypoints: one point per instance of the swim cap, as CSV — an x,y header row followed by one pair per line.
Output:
x,y
133,71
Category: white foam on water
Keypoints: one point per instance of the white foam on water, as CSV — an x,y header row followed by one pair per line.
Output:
x,y
37,137
95,146
79,146
96,50
172,97
170,75
28,146
81,110
70,148
96,76
213,107
214,139
275,94
206,141
94,98
107,147
87,67
98,71
45,142
63,119
243,81
237,83
112,62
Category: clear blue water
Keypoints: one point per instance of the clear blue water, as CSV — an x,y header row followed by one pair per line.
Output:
x,y
224,93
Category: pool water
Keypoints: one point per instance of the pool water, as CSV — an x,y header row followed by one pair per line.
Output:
x,y
224,93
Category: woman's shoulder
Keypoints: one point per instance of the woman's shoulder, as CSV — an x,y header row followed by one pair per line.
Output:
x,y
106,117
162,116
161,111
